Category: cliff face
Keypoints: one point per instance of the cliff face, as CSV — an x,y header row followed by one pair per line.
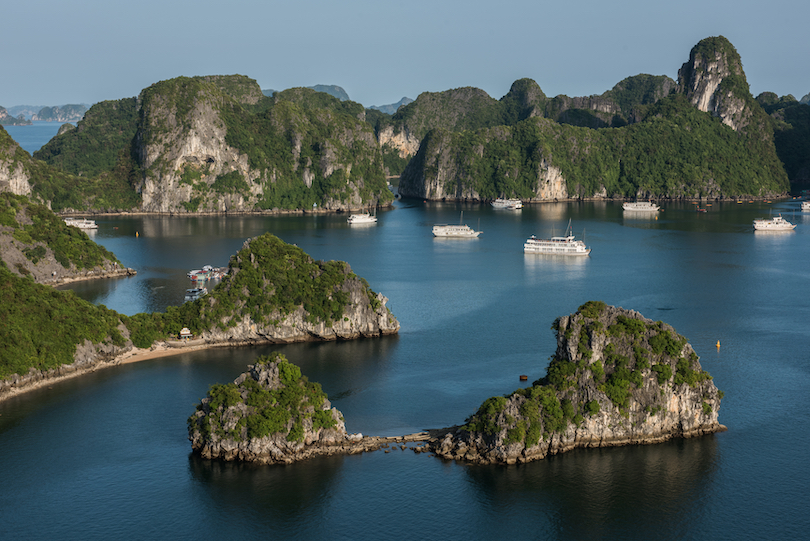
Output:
x,y
14,175
270,414
714,82
442,170
210,152
173,141
616,378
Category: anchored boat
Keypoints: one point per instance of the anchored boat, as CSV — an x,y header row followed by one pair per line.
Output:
x,y
777,223
455,231
566,245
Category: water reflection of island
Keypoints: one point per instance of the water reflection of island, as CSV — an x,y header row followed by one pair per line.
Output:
x,y
634,492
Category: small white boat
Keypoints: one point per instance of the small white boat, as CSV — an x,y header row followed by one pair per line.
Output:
x,y
81,223
455,231
509,204
805,206
365,218
777,223
641,206
195,293
566,245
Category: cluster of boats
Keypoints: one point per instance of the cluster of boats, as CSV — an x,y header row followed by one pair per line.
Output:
x,y
200,276
206,273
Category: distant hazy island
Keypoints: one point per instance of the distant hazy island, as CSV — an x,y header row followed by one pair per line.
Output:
x,y
617,378
220,144
7,120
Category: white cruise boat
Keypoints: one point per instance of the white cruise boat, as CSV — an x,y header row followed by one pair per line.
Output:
x,y
81,223
805,205
641,206
194,294
566,245
777,223
460,231
456,231
365,218
509,204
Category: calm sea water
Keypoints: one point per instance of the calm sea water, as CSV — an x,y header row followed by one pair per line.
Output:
x,y
107,456
31,138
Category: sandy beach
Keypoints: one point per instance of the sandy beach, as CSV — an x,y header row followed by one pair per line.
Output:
x,y
132,356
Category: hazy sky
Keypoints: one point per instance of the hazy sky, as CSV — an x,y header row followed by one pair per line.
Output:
x,y
56,52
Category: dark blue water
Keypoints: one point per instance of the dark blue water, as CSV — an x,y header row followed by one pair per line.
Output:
x,y
107,456
31,138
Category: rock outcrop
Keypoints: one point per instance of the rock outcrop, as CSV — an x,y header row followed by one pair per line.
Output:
x,y
271,414
616,378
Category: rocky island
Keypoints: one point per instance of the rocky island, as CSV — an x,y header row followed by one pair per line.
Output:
x,y
617,378
269,414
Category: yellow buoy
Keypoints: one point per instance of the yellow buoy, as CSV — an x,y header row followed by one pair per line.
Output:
x,y
136,233
718,344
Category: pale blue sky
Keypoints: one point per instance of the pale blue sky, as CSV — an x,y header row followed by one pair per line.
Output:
x,y
55,52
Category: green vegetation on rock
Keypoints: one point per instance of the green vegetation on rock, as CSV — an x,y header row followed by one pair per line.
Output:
x,y
35,225
258,405
42,326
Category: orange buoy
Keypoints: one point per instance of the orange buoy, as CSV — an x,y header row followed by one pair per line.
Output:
x,y
718,344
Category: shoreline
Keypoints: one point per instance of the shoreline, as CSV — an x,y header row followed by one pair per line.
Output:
x,y
133,355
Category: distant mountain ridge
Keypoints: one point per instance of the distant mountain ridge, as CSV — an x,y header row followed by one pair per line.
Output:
x,y
220,144
73,112
392,108
64,113
472,147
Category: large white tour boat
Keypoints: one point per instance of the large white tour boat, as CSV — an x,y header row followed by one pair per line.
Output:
x,y
365,218
641,206
81,223
565,245
777,223
509,204
460,231
455,231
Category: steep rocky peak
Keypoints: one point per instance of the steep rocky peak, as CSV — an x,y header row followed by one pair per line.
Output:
x,y
714,82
